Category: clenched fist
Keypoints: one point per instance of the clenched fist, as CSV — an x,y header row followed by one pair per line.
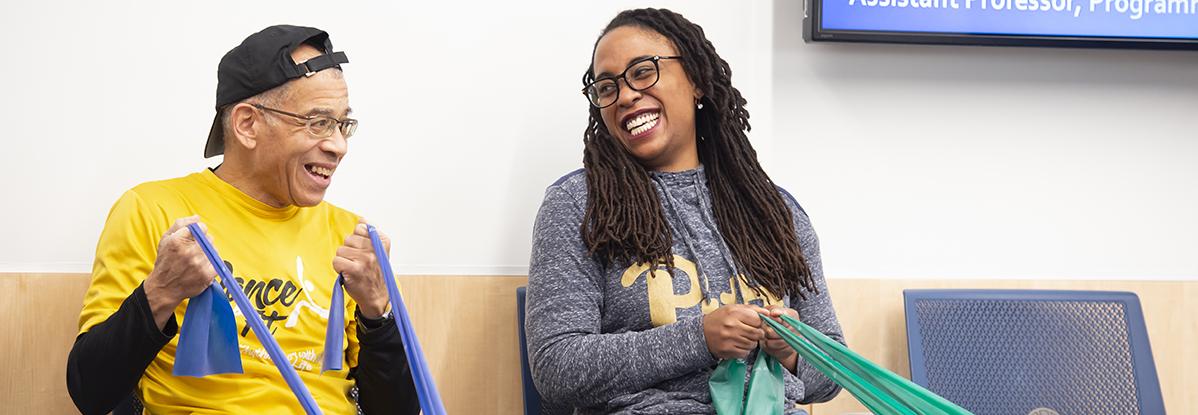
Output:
x,y
181,270
733,330
356,262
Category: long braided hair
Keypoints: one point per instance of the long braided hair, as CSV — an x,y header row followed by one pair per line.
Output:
x,y
624,220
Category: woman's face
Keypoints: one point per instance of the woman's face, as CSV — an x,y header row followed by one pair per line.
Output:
x,y
656,125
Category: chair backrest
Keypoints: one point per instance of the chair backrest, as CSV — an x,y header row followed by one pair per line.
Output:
x,y
131,405
532,398
1024,351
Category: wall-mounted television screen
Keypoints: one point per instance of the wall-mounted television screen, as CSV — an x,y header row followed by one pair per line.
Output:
x,y
1147,24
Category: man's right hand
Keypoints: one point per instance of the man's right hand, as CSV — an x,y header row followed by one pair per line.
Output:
x,y
181,270
733,330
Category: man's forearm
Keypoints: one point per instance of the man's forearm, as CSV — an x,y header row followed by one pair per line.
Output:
x,y
106,362
161,306
384,379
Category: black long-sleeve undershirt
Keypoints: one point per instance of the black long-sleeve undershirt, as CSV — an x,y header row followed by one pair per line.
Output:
x,y
107,361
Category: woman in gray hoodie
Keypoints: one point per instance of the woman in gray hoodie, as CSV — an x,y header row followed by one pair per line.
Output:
x,y
651,263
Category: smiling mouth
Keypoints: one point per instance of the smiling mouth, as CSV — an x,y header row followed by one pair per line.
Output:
x,y
318,171
642,123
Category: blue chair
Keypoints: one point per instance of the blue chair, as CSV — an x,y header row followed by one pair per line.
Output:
x,y
532,399
1023,351
131,405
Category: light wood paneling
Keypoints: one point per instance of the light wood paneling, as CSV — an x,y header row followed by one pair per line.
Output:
x,y
40,318
467,325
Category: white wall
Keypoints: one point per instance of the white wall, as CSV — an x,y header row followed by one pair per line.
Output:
x,y
914,161
456,146
967,162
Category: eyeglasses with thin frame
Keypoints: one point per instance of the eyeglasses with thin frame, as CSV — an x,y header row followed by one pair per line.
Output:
x,y
320,126
640,75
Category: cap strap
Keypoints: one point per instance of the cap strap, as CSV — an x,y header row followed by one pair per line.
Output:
x,y
322,62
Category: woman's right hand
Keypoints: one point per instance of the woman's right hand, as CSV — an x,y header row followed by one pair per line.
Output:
x,y
732,331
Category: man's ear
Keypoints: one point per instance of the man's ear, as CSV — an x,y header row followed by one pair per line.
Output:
x,y
245,125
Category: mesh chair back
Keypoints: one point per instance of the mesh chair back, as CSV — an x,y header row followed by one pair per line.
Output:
x,y
1033,351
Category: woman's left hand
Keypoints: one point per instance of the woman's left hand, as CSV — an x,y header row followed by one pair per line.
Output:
x,y
773,343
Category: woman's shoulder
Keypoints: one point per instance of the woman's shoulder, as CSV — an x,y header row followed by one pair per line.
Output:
x,y
802,222
572,185
572,179
791,202
564,200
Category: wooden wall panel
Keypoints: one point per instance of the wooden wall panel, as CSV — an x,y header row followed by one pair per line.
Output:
x,y
467,325
40,318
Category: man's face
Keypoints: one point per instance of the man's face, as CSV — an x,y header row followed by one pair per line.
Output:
x,y
292,165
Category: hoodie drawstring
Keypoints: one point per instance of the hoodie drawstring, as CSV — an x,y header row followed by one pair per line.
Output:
x,y
705,286
706,212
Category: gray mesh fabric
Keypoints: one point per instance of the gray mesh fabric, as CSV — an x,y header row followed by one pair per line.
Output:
x,y
1012,357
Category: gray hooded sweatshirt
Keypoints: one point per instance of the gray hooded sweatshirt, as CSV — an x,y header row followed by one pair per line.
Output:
x,y
622,339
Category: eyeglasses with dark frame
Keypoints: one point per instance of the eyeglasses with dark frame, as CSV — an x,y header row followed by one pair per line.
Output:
x,y
320,126
640,75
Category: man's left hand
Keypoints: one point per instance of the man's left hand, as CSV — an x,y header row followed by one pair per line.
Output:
x,y
364,283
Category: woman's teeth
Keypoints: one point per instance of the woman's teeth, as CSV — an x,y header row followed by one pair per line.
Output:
x,y
642,123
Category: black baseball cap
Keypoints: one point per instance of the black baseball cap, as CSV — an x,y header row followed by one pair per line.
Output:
x,y
263,61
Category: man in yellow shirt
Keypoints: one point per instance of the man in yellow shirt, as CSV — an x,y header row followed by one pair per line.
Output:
x,y
282,124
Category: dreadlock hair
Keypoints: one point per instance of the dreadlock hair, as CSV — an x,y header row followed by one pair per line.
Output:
x,y
624,220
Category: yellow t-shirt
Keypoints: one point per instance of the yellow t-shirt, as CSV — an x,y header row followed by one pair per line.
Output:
x,y
282,258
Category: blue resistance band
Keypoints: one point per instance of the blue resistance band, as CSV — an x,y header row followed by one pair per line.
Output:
x,y
208,337
426,389
334,335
